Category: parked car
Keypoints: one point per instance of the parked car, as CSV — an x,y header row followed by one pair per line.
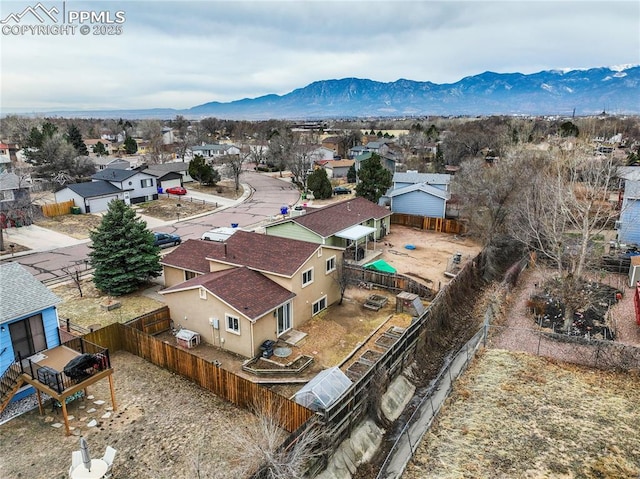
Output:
x,y
341,190
176,190
166,239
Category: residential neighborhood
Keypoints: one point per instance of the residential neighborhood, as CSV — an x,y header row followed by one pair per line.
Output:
x,y
325,264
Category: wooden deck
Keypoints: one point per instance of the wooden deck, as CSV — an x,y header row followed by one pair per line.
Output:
x,y
56,384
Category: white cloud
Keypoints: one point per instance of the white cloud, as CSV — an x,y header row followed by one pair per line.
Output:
x,y
180,54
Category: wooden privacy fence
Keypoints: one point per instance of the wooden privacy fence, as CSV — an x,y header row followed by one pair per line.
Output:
x,y
441,225
223,383
152,323
391,281
57,209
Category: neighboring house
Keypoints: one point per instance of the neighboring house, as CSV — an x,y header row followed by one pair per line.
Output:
x,y
322,153
174,173
387,162
251,288
8,154
629,225
214,150
338,168
103,162
168,136
90,143
339,224
28,318
15,199
332,143
137,186
411,177
90,197
421,194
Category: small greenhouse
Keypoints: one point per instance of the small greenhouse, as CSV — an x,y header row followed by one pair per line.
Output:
x,y
323,390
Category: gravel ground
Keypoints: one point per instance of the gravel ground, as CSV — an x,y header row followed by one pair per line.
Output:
x,y
164,427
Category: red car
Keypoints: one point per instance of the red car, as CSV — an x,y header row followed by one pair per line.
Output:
x,y
176,190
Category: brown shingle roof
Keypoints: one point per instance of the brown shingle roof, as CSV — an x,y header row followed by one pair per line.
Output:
x,y
265,253
191,255
247,291
256,251
331,219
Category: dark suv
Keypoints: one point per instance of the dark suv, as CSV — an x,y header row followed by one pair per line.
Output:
x,y
166,239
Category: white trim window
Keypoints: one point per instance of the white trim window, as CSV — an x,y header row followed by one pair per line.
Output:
x,y
307,277
146,183
319,305
232,324
331,265
203,293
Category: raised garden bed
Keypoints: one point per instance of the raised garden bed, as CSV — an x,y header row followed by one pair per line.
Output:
x,y
386,341
356,370
375,302
265,367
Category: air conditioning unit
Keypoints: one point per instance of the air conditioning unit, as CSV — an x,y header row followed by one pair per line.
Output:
x,y
617,225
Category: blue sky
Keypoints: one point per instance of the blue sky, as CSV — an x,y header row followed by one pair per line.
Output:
x,y
181,54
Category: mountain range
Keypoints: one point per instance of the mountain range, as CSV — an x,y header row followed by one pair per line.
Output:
x,y
550,92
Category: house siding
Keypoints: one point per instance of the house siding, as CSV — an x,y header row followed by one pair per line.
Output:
x,y
418,203
629,231
293,231
50,324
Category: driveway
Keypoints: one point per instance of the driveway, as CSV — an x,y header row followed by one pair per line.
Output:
x,y
266,198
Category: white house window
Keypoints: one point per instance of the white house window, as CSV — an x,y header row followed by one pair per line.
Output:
x,y
319,305
331,264
233,324
203,293
146,183
6,195
189,274
319,252
307,277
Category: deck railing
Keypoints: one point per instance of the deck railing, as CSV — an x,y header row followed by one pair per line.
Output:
x,y
59,381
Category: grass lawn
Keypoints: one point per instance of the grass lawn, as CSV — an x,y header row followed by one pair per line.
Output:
x,y
513,415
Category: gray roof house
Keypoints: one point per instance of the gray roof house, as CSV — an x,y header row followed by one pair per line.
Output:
x,y
90,197
420,194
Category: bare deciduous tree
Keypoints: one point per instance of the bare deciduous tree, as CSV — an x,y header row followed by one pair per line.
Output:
x,y
263,454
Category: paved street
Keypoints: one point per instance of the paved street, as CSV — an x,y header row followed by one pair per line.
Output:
x,y
264,199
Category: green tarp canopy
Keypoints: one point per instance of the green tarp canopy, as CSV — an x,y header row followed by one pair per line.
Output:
x,y
380,265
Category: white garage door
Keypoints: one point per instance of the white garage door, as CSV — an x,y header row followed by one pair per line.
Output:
x,y
96,205
170,183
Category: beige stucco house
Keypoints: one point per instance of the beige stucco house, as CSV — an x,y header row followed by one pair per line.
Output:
x,y
251,288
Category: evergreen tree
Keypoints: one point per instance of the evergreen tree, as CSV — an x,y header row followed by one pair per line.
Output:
x,y
100,150
352,174
124,256
75,138
374,178
130,146
318,182
200,171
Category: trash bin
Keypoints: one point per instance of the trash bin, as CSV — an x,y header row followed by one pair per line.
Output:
x,y
75,210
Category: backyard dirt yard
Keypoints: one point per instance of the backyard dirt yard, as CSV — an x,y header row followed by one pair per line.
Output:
x,y
432,255
164,426
514,415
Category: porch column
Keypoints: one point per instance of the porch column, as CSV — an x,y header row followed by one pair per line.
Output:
x,y
113,393
39,401
63,403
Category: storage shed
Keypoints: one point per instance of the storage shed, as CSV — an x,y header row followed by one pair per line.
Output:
x,y
323,390
634,270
